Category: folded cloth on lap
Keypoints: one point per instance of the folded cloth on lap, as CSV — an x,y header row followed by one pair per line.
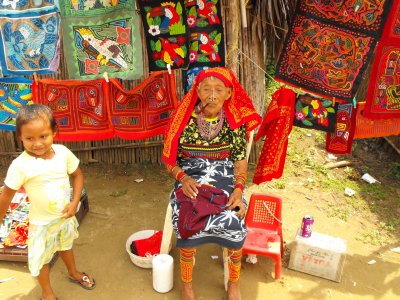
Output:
x,y
194,213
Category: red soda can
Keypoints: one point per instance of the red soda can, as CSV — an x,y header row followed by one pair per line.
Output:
x,y
306,226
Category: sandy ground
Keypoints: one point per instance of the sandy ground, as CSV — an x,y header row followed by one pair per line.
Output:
x,y
119,207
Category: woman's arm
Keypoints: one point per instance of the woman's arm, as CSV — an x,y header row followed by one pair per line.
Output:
x,y
235,199
189,185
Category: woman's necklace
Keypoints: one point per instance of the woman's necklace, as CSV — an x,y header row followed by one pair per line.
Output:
x,y
208,130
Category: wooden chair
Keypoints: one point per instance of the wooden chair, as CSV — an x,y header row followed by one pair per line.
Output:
x,y
264,224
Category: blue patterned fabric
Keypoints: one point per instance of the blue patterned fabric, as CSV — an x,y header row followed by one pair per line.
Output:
x,y
29,41
14,93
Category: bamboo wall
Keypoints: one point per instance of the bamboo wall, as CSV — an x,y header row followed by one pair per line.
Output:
x,y
118,151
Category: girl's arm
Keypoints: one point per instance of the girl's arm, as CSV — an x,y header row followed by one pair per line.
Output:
x,y
6,195
77,187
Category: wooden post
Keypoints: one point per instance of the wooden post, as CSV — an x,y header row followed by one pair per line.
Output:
x,y
232,34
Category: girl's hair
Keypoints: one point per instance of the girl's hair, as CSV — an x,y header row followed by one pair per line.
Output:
x,y
32,112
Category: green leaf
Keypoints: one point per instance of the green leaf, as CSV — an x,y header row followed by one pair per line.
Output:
x,y
203,59
178,8
202,23
159,63
330,109
307,123
326,103
149,20
158,46
194,46
157,21
152,45
299,106
192,11
218,38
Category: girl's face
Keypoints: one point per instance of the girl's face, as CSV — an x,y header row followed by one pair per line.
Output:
x,y
213,93
37,137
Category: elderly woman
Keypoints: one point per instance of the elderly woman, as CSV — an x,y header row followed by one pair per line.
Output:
x,y
205,151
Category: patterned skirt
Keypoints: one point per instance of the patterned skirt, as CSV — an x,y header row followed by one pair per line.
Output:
x,y
224,229
45,240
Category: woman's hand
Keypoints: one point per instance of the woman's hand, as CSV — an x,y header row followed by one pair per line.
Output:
x,y
235,200
189,187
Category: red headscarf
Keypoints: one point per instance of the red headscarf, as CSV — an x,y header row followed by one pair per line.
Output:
x,y
239,110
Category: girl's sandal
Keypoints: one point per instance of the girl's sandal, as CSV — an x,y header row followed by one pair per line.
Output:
x,y
84,281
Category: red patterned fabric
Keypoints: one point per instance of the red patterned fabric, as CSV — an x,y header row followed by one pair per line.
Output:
x,y
239,110
276,127
326,52
341,140
383,95
368,128
96,110
79,107
144,111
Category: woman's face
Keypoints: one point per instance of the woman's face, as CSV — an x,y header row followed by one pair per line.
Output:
x,y
213,93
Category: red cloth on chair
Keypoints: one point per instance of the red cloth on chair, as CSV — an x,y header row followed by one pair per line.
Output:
x,y
193,213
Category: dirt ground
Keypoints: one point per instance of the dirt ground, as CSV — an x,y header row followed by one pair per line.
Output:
x,y
119,206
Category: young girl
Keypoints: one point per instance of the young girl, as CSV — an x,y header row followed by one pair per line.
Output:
x,y
43,169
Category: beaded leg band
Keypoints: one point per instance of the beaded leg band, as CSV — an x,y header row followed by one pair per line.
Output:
x,y
187,263
234,264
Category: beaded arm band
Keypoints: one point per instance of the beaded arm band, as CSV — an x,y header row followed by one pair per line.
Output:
x,y
180,175
239,186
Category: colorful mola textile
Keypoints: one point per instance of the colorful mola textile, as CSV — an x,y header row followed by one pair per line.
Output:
x,y
276,127
144,111
315,113
365,16
341,140
167,34
324,58
14,93
24,4
92,7
109,43
29,41
79,107
206,33
383,95
203,13
368,128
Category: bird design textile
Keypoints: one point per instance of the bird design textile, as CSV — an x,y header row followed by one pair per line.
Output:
x,y
144,111
14,93
326,54
315,113
383,94
341,140
93,7
167,34
108,43
206,33
29,41
24,4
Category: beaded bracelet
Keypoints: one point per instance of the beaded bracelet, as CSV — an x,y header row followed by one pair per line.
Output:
x,y
180,175
239,186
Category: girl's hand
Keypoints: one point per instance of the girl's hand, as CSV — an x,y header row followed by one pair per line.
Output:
x,y
235,200
189,187
69,210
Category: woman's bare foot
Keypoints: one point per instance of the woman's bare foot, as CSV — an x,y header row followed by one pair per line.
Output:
x,y
50,296
187,291
233,292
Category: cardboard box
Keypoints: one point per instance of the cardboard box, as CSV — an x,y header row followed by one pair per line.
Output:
x,y
319,255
